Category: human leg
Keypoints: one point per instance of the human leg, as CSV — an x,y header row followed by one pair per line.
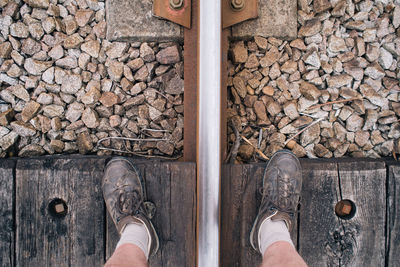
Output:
x,y
280,196
124,194
282,254
127,255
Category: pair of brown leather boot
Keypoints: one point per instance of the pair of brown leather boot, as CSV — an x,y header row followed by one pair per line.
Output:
x,y
125,195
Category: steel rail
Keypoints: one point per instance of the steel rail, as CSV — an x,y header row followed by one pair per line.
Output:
x,y
209,130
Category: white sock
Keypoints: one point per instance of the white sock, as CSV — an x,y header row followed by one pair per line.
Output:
x,y
271,232
137,234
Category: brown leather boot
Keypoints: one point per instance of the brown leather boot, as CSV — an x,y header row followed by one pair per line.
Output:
x,y
280,193
124,194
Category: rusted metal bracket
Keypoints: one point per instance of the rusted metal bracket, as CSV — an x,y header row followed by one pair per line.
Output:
x,y
236,11
177,11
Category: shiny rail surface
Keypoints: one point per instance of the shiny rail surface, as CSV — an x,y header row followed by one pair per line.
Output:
x,y
209,127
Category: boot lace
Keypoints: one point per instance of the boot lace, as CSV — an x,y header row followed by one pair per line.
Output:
x,y
129,202
281,196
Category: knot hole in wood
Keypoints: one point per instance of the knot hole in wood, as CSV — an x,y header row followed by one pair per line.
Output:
x,y
345,209
341,244
58,208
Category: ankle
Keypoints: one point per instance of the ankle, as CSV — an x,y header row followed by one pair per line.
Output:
x,y
271,232
137,234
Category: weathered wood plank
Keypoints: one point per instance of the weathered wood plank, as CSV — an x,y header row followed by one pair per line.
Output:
x,y
46,240
393,219
78,239
327,240
171,186
318,199
6,212
365,184
240,203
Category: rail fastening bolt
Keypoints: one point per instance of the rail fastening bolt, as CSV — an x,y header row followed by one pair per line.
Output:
x,y
176,4
237,5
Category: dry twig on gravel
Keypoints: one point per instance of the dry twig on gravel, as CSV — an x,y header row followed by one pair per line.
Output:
x,y
260,137
305,128
235,148
127,151
334,102
138,154
130,139
255,148
154,130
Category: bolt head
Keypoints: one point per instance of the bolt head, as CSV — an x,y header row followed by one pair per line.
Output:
x,y
176,4
59,208
237,5
343,208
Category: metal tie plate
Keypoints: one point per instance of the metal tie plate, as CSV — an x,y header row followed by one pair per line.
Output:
x,y
177,11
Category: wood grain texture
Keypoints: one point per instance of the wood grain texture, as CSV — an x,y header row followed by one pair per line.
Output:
x,y
6,212
74,240
365,184
318,199
325,239
393,219
82,238
172,188
239,209
241,199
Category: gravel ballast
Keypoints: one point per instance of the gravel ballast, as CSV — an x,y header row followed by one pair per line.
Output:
x,y
64,87
346,51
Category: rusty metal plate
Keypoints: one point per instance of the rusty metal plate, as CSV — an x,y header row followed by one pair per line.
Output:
x,y
190,63
232,16
181,16
276,18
